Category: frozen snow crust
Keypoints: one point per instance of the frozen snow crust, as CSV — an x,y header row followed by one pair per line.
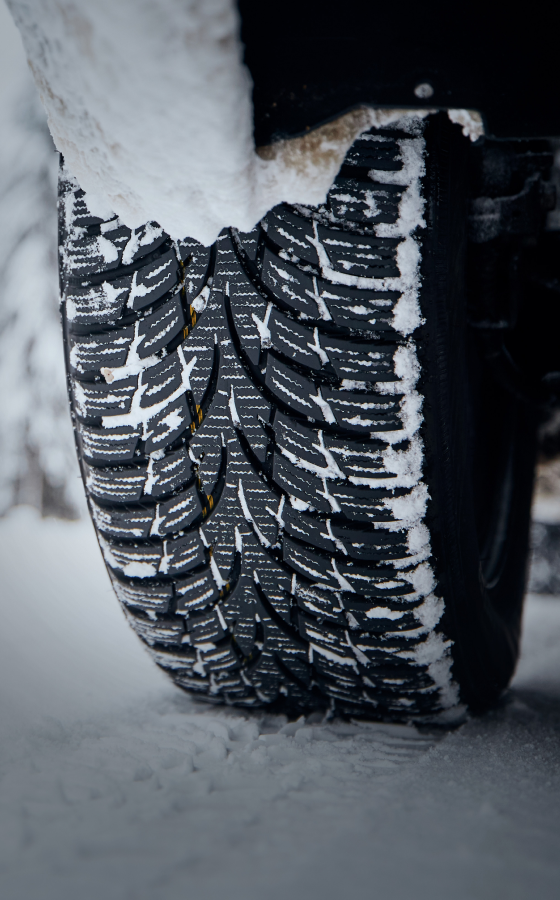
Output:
x,y
249,421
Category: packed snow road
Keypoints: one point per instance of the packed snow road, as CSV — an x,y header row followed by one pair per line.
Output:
x,y
115,785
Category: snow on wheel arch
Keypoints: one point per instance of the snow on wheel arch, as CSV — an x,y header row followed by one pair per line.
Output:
x,y
150,105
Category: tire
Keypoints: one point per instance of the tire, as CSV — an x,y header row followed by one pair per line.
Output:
x,y
282,443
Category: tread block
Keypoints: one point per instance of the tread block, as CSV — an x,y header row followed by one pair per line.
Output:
x,y
193,683
375,152
364,201
321,604
178,513
249,241
248,309
341,574
182,554
95,400
174,661
296,342
354,308
361,504
161,380
167,425
314,298
133,560
317,532
275,584
364,362
196,592
150,560
333,660
329,496
326,454
153,280
166,518
349,359
380,619
313,567
295,288
168,473
334,641
115,485
96,253
100,445
292,233
222,663
357,457
266,677
299,484
327,493
371,545
78,215
163,631
240,608
205,627
307,444
151,598
380,648
360,255
357,410
128,523
207,366
98,304
104,303
326,534
196,260
256,505
89,354
142,241
159,477
252,409
295,390
158,329
361,411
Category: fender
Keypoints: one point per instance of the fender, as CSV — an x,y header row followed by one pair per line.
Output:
x,y
311,61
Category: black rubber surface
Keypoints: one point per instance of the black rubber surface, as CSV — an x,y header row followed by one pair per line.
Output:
x,y
235,411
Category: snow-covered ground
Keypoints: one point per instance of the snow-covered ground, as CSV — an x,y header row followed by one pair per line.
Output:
x,y
115,785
